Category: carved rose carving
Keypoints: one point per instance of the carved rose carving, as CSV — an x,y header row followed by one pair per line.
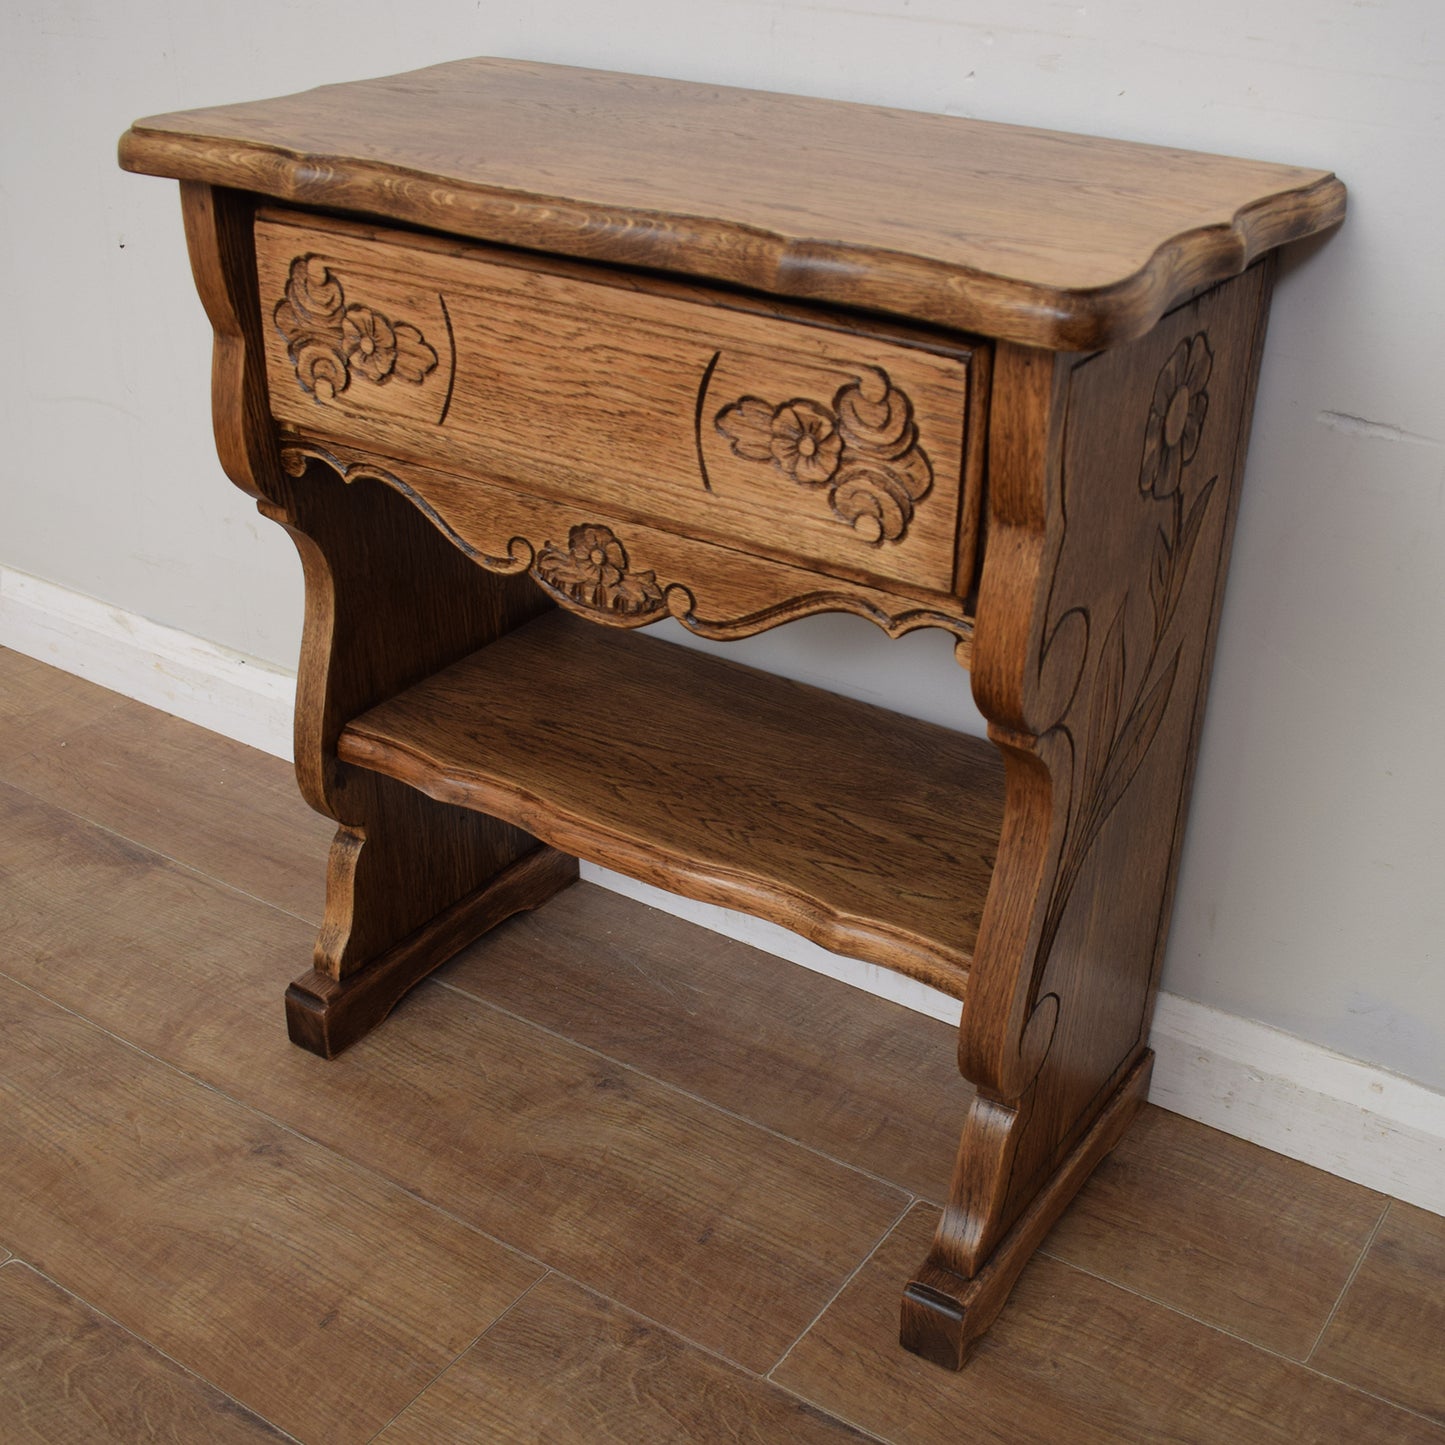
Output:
x,y
328,340
592,571
864,449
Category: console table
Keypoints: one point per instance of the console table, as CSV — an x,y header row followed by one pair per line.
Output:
x,y
512,350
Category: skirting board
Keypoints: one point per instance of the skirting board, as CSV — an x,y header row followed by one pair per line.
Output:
x,y
1350,1118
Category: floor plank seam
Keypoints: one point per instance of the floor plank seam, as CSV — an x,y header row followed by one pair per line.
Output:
x,y
678,1090
157,853
832,1299
1302,1364
289,1128
460,1355
152,1346
1345,1289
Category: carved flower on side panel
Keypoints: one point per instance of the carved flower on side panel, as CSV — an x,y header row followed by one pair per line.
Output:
x,y
592,571
329,341
1176,417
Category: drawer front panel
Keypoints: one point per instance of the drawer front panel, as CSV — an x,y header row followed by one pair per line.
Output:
x,y
843,450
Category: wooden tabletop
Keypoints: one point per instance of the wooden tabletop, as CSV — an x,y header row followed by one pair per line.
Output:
x,y
1047,239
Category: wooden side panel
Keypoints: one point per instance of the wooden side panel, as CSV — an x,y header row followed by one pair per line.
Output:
x,y
1096,627
388,601
838,448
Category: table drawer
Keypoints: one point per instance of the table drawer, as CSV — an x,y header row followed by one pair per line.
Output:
x,y
843,445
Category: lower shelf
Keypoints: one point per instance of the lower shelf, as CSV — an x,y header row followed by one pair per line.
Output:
x,y
870,833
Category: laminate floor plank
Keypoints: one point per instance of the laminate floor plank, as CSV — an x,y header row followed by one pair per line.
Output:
x,y
1071,1358
567,1365
1389,1333
307,1289
709,1224
223,808
1222,1229
868,1082
70,1376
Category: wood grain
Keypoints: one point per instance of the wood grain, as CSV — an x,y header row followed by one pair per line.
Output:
x,y
69,1376
617,397
868,1082
299,1284
568,1365
643,574
1071,1358
708,1224
866,831
1389,1333
163,783
1238,1237
1039,238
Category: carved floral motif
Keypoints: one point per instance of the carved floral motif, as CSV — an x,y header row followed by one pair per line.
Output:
x,y
1123,720
592,571
864,450
329,340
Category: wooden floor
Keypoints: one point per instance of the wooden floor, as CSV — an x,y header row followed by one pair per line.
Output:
x,y
607,1178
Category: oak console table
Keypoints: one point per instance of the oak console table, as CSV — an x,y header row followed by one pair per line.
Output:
x,y
512,350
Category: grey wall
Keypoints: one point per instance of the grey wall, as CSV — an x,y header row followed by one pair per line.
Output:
x,y
1311,894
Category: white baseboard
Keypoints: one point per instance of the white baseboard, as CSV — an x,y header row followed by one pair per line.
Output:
x,y
222,690
1296,1098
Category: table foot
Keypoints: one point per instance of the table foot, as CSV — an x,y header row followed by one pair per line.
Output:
x,y
944,1314
327,1015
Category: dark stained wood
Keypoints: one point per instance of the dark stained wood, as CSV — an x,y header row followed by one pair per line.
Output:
x,y
326,1015
867,831
1238,1237
161,782
1071,1358
710,1225
567,1365
1388,1335
870,1083
299,1284
69,1376
1045,239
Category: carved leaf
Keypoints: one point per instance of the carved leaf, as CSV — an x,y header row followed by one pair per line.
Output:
x,y
748,426
1134,742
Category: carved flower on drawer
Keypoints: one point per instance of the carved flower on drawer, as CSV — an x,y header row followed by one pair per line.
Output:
x,y
804,442
1176,417
377,348
592,571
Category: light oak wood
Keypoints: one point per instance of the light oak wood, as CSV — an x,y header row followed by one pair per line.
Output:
x,y
626,574
707,1223
822,444
1072,1358
302,1286
567,1365
69,1376
1388,1335
1035,237
464,440
1233,1235
869,832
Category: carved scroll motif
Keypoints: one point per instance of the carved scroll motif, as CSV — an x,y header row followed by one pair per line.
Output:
x,y
864,450
329,341
1123,718
592,571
